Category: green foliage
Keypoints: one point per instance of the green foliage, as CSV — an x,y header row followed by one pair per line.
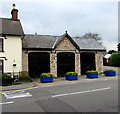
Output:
x,y
46,75
26,79
71,73
110,70
24,74
5,76
115,59
92,71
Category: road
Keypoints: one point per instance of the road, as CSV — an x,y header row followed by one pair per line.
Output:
x,y
88,96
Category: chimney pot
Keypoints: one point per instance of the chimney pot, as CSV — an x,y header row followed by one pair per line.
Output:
x,y
14,13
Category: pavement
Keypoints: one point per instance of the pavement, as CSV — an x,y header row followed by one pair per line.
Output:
x,y
57,81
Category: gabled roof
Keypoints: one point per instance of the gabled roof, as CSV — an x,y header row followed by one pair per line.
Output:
x,y
60,38
10,27
51,42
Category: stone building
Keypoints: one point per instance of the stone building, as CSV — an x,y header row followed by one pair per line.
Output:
x,y
44,53
60,54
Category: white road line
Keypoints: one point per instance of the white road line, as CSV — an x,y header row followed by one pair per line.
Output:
x,y
7,103
18,96
88,91
12,95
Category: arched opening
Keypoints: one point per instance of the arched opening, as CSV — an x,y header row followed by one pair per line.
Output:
x,y
87,60
65,63
39,62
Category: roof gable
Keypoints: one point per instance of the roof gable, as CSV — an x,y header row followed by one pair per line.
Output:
x,y
66,40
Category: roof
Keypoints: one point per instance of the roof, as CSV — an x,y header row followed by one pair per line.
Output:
x,y
11,27
39,41
51,42
88,44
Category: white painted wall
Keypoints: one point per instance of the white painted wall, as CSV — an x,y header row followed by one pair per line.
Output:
x,y
13,53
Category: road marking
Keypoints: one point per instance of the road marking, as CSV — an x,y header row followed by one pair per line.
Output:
x,y
88,91
17,94
7,103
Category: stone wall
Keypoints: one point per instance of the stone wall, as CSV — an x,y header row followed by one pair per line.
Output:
x,y
99,61
53,63
77,63
24,60
65,44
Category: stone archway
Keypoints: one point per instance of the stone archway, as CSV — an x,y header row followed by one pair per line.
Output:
x,y
65,63
38,62
87,61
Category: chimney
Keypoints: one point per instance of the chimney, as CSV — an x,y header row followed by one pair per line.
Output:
x,y
14,13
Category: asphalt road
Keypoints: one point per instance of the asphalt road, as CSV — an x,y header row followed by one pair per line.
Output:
x,y
87,96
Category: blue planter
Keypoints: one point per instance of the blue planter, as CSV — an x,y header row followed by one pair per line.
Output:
x,y
71,77
92,75
110,73
46,79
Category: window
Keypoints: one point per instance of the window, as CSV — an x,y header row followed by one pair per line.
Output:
x,y
1,66
1,44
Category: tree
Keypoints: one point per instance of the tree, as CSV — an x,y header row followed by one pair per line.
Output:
x,y
93,35
118,47
111,51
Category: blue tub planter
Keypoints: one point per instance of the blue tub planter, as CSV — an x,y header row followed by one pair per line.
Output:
x,y
71,77
92,75
46,79
110,73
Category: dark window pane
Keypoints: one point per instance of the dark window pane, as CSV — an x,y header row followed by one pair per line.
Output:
x,y
1,44
1,66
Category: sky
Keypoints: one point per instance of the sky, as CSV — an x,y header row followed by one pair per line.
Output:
x,y
54,17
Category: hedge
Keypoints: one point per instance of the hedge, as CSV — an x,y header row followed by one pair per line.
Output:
x,y
115,59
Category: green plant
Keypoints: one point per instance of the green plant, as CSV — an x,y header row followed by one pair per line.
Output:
x,y
92,71
110,70
115,59
24,74
5,76
26,79
46,75
71,73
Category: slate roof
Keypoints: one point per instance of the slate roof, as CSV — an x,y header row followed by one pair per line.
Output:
x,y
50,42
39,41
88,44
10,27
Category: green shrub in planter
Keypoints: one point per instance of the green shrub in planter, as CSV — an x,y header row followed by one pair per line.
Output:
x,y
92,74
71,73
46,77
110,72
26,79
71,76
5,80
92,71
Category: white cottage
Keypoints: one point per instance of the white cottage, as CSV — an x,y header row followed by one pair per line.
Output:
x,y
11,34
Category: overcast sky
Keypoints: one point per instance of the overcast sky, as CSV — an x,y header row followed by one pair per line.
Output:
x,y
54,17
